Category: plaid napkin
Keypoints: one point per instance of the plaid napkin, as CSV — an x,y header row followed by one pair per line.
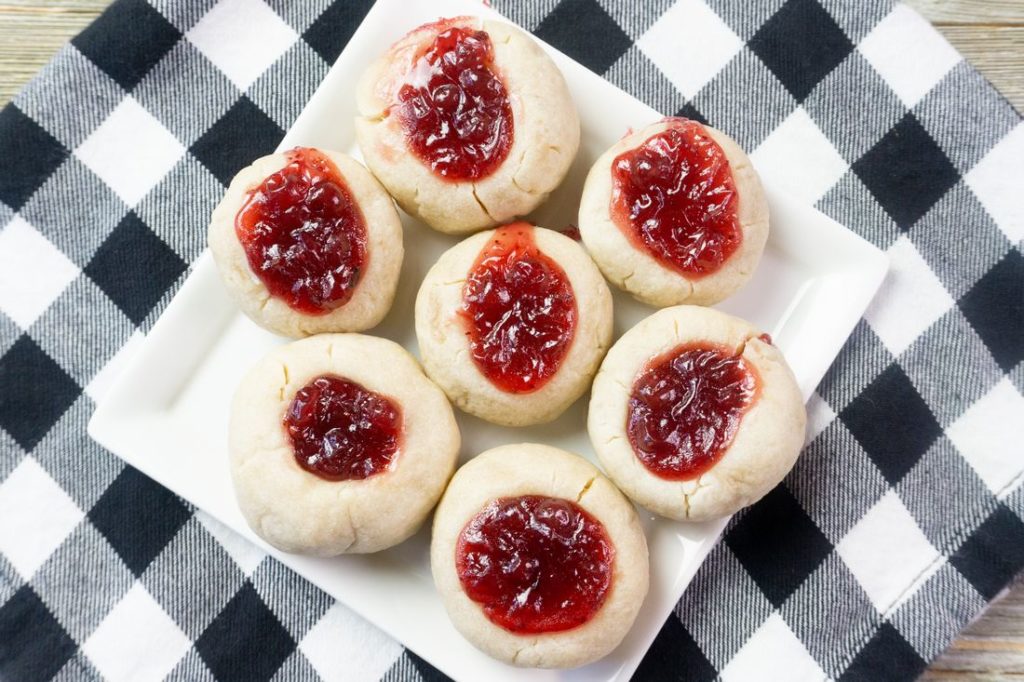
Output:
x,y
901,520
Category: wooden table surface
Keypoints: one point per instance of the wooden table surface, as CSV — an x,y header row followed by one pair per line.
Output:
x,y
990,34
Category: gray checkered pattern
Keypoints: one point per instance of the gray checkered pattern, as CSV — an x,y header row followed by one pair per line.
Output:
x,y
902,518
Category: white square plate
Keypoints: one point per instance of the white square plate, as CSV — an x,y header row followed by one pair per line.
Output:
x,y
167,413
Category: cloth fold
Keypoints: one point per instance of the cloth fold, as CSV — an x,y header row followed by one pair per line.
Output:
x,y
901,520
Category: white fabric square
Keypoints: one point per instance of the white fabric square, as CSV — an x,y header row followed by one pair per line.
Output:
x,y
799,159
921,579
995,181
909,54
819,415
344,647
131,151
887,552
33,272
990,436
104,379
242,38
137,641
910,300
690,44
773,652
36,515
245,554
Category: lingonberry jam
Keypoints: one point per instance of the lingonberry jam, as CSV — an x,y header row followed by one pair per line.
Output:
x,y
519,310
674,197
303,234
454,108
535,564
686,406
341,431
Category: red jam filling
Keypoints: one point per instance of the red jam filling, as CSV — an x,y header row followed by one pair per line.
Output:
x,y
454,108
572,232
674,196
341,431
304,235
685,408
535,564
519,310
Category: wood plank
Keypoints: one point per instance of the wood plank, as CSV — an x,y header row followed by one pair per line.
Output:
x,y
990,648
30,36
971,11
997,52
35,6
969,676
971,662
990,35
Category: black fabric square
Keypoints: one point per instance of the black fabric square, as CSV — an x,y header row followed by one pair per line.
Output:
x,y
34,392
674,655
801,44
138,516
428,673
993,554
332,30
892,423
127,40
887,656
28,156
33,645
585,32
134,267
995,308
691,112
245,641
244,133
906,172
778,544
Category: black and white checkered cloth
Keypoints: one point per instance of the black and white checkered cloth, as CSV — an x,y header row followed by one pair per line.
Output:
x,y
901,520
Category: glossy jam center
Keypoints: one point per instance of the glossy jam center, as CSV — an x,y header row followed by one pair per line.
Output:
x,y
304,235
572,232
341,431
685,408
519,310
454,108
535,564
674,197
